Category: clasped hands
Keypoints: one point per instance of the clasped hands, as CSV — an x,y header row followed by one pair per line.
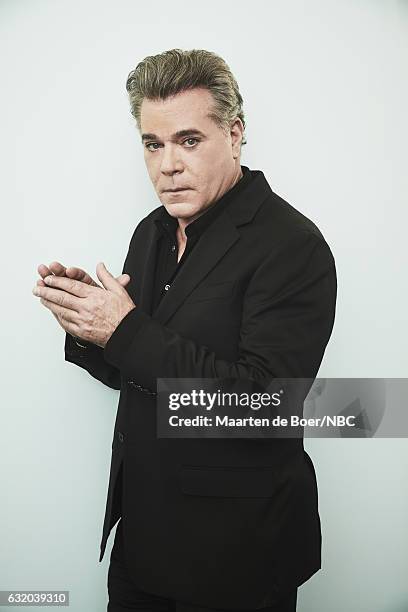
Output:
x,y
82,307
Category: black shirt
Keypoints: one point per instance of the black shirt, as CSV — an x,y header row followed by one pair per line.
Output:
x,y
167,266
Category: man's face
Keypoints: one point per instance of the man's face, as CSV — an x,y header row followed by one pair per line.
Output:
x,y
184,148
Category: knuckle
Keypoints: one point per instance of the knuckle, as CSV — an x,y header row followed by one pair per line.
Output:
x,y
87,328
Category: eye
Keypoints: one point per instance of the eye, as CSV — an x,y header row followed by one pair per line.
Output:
x,y
149,144
189,139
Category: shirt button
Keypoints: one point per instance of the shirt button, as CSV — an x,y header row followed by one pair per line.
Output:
x,y
166,287
173,248
121,436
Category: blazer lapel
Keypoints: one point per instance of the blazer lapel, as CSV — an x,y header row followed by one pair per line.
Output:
x,y
220,235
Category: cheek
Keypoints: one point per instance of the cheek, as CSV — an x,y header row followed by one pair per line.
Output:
x,y
152,168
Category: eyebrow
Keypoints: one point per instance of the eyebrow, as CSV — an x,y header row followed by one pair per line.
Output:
x,y
176,135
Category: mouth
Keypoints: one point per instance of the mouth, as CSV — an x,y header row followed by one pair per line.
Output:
x,y
176,190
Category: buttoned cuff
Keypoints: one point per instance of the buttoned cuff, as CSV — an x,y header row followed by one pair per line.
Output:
x,y
123,336
76,346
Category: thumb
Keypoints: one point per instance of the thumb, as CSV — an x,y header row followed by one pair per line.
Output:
x,y
108,281
123,279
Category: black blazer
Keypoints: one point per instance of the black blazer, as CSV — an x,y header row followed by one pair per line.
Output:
x,y
227,523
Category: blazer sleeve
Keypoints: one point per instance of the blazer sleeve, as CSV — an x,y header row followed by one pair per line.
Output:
x,y
287,319
91,357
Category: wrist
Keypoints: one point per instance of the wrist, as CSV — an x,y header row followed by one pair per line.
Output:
x,y
78,341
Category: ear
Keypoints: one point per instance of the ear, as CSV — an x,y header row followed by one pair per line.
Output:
x,y
237,135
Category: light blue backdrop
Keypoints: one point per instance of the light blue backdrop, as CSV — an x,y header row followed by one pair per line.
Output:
x,y
325,91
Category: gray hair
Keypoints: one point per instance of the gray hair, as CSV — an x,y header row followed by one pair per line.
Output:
x,y
171,72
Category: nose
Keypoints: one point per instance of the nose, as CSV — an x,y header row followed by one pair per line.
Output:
x,y
170,160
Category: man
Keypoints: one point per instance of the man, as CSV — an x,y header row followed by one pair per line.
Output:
x,y
223,280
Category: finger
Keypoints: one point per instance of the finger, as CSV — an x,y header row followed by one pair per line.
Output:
x,y
64,315
43,270
68,285
123,279
58,297
80,275
107,279
57,268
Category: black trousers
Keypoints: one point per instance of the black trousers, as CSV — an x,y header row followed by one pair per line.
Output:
x,y
124,596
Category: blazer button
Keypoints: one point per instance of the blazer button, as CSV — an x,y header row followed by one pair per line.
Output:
x,y
121,436
133,384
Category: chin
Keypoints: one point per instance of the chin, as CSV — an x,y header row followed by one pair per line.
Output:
x,y
183,210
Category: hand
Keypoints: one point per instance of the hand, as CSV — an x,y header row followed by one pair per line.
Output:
x,y
81,306
58,269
